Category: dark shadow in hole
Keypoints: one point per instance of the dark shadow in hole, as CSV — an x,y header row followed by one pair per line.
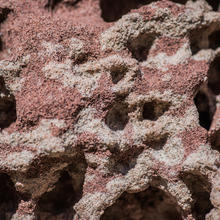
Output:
x,y
183,2
214,40
140,46
156,143
117,73
152,110
1,44
196,39
59,202
151,204
214,76
4,14
215,141
122,162
200,190
203,106
7,106
9,198
52,4
113,10
61,199
117,117
215,4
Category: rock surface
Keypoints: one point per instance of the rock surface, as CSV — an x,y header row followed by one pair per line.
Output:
x,y
109,110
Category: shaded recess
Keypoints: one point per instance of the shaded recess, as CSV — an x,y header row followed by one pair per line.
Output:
x,y
112,10
214,76
215,4
152,110
58,203
204,108
214,40
117,73
1,44
7,106
61,199
215,141
52,4
122,162
156,143
151,204
8,197
140,46
4,14
117,117
200,191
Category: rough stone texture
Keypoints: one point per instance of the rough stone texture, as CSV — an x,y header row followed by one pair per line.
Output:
x,y
109,109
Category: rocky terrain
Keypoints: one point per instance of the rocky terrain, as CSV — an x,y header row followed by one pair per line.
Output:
x,y
109,109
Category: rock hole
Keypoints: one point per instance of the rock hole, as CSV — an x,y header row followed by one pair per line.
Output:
x,y
215,140
215,4
140,46
156,143
200,191
214,76
112,10
117,117
151,204
52,4
117,73
183,2
214,40
1,44
122,162
8,197
58,203
61,199
204,107
4,14
152,110
7,106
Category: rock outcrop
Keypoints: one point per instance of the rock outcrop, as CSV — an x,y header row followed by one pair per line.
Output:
x,y
109,110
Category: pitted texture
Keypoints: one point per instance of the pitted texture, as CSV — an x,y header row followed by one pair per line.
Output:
x,y
109,110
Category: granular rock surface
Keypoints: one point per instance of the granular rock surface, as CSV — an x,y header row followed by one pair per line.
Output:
x,y
109,110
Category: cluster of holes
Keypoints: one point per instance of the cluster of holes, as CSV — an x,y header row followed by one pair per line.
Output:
x,y
7,106
117,117
200,191
150,204
9,198
152,110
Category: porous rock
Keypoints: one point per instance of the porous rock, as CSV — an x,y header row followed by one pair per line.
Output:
x,y
109,109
